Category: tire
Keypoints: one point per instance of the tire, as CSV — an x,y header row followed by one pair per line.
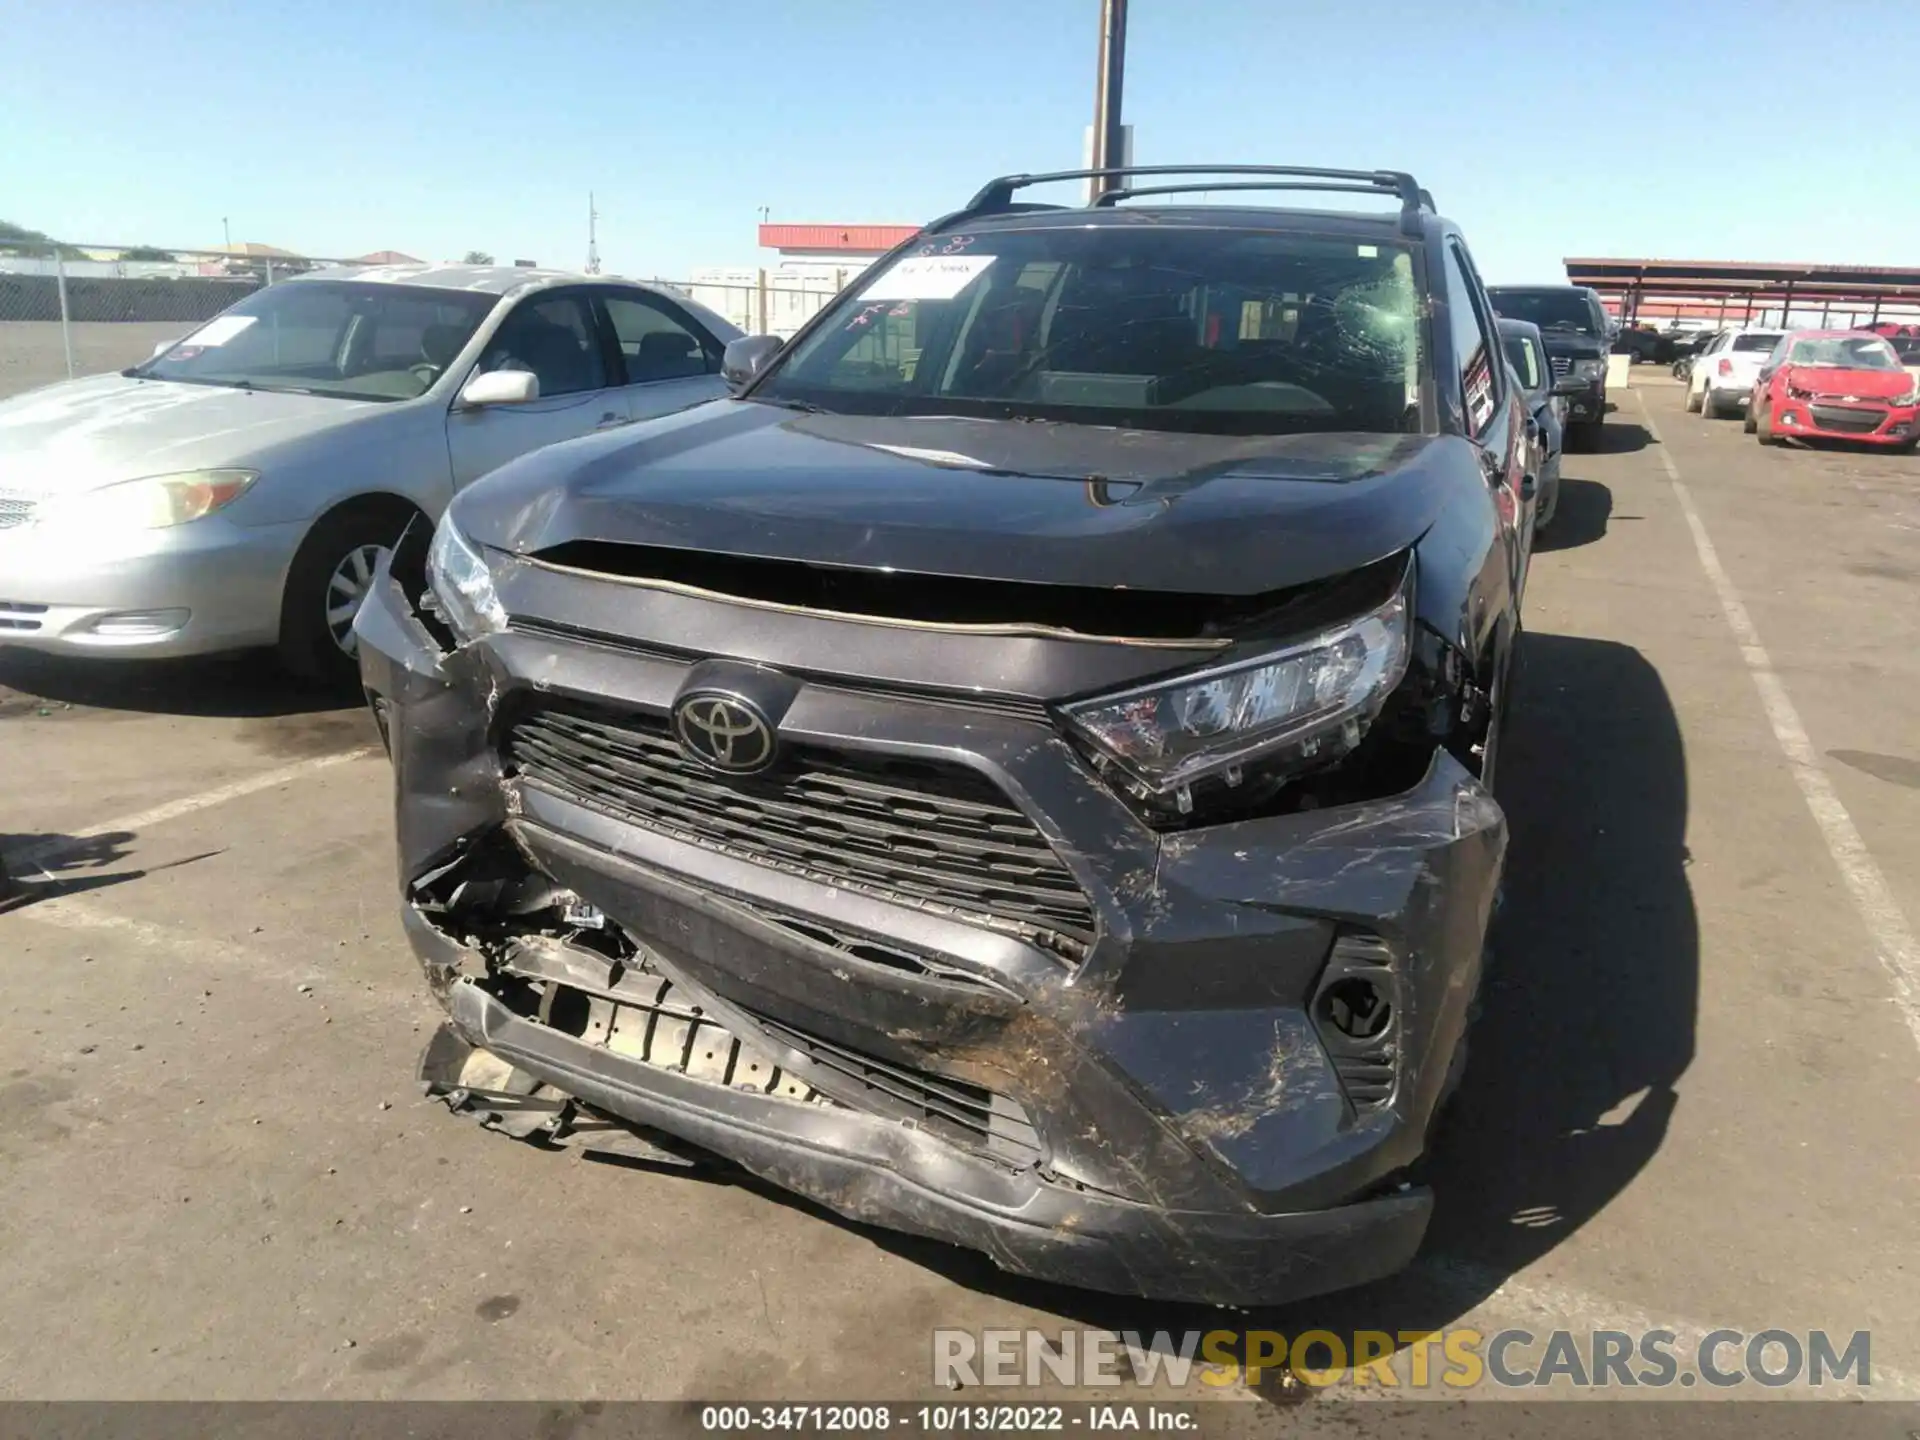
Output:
x,y
1763,428
1751,419
330,576
1709,407
1695,402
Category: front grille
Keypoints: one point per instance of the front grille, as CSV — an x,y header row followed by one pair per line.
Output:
x,y
1014,707
940,837
1848,419
18,615
14,511
952,1109
1562,366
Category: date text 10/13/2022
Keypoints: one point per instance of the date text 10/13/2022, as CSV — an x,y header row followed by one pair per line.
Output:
x,y
943,1419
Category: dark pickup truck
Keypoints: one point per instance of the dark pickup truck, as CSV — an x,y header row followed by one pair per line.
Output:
x,y
1574,327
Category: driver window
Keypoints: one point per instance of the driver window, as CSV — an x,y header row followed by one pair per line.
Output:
x,y
554,339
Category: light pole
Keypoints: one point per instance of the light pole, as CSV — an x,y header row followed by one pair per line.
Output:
x,y
1108,143
227,231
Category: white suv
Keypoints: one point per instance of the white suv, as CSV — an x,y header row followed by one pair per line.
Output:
x,y
1723,373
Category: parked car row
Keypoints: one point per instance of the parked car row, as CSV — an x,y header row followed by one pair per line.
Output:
x,y
1813,384
1574,329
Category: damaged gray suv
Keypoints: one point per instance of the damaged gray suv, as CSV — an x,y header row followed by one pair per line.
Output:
x,y
1019,770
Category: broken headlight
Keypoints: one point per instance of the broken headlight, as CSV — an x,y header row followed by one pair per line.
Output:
x,y
1294,707
462,585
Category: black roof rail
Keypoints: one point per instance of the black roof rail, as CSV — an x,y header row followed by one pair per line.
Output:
x,y
997,195
932,226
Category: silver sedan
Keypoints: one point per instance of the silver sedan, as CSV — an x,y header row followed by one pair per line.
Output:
x,y
238,488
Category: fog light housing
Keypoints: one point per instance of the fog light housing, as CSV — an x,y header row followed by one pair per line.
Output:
x,y
1356,1012
138,624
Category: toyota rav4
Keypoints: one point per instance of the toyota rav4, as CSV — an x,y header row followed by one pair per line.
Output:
x,y
1019,771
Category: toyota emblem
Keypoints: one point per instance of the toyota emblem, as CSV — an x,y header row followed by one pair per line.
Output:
x,y
724,732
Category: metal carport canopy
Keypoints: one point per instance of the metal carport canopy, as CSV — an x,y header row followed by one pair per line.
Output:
x,y
1629,280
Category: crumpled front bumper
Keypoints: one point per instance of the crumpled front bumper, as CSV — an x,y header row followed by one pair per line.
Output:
x,y
1193,1135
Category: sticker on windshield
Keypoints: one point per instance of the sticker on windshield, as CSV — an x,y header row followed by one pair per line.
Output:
x,y
218,332
928,277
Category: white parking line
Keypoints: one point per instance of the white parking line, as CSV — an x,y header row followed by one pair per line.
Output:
x,y
174,809
1879,911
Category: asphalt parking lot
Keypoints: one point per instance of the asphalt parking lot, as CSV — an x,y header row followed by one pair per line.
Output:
x,y
1692,1101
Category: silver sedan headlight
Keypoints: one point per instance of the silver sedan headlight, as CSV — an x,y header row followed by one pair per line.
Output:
x,y
154,502
1292,707
461,583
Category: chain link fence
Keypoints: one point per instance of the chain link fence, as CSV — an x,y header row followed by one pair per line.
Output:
x,y
68,309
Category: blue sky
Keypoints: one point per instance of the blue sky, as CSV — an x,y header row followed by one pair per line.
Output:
x,y
432,127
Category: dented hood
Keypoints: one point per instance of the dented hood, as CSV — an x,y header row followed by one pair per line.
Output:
x,y
1846,382
989,499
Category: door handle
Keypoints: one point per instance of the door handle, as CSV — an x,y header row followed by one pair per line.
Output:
x,y
611,421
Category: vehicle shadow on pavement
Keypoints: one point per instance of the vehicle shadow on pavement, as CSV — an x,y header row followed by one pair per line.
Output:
x,y
243,686
1580,517
1588,1021
1616,437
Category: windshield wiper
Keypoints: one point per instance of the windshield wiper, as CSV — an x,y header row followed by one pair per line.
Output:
x,y
803,406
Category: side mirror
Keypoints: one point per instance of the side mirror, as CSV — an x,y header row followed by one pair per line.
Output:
x,y
1569,385
162,348
500,387
746,358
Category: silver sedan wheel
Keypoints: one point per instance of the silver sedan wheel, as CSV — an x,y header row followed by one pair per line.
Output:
x,y
347,591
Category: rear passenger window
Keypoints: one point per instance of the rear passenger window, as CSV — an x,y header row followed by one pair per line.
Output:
x,y
653,344
1471,348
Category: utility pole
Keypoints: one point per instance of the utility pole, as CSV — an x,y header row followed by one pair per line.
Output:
x,y
593,240
1108,140
227,230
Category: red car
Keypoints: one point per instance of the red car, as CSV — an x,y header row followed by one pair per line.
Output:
x,y
1835,385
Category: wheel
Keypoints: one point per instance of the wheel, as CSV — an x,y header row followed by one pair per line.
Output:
x,y
1763,428
1694,402
1752,417
1907,446
329,579
1709,407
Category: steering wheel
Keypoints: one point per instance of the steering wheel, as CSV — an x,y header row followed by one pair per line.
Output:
x,y
426,372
